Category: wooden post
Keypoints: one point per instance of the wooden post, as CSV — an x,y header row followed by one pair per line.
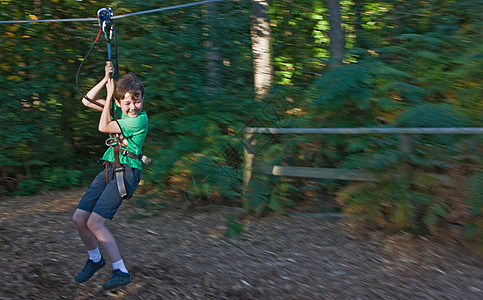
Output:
x,y
403,209
248,155
405,143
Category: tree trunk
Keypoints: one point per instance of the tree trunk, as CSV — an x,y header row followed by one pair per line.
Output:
x,y
212,52
336,34
260,33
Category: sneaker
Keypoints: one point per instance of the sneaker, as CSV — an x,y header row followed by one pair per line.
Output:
x,y
89,269
118,278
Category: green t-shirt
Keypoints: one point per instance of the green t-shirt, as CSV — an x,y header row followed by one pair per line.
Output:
x,y
134,132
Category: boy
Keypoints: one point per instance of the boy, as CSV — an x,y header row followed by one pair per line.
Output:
x,y
106,192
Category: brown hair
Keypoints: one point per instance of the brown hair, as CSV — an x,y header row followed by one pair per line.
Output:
x,y
128,83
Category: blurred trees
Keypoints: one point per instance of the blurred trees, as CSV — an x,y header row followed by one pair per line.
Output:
x,y
402,63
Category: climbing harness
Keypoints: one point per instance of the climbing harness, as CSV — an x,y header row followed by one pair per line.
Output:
x,y
106,26
115,142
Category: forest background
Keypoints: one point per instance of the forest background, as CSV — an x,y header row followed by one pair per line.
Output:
x,y
212,70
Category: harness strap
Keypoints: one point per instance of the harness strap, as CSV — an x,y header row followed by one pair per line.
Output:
x,y
146,160
119,170
113,141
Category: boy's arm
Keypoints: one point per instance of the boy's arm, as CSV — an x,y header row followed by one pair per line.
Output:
x,y
106,124
94,92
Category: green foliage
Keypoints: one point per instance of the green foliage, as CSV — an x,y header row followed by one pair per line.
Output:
x,y
406,195
408,64
210,180
28,187
403,74
475,183
58,177
432,115
234,227
268,194
474,228
409,192
257,198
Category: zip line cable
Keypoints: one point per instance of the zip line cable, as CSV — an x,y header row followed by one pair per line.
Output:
x,y
164,8
48,21
115,17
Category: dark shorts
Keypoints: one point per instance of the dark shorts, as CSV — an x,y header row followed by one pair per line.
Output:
x,y
102,196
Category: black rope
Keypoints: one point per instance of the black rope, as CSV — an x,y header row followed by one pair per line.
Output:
x,y
79,69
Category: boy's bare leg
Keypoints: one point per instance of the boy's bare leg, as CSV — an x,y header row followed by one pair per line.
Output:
x,y
80,219
120,275
95,224
95,261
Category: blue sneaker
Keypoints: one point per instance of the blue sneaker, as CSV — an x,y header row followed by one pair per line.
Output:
x,y
118,278
89,269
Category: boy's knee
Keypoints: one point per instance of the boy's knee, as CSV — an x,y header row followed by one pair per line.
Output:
x,y
79,225
80,219
94,223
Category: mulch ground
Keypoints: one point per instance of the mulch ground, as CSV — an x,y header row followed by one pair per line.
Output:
x,y
181,254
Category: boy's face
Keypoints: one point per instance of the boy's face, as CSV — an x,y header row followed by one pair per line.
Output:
x,y
131,107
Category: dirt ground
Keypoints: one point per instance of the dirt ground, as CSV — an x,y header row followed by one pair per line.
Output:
x,y
181,254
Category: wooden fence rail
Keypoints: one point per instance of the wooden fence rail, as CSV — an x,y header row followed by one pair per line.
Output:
x,y
405,141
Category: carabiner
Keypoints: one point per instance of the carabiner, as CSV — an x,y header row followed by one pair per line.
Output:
x,y
104,16
110,142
